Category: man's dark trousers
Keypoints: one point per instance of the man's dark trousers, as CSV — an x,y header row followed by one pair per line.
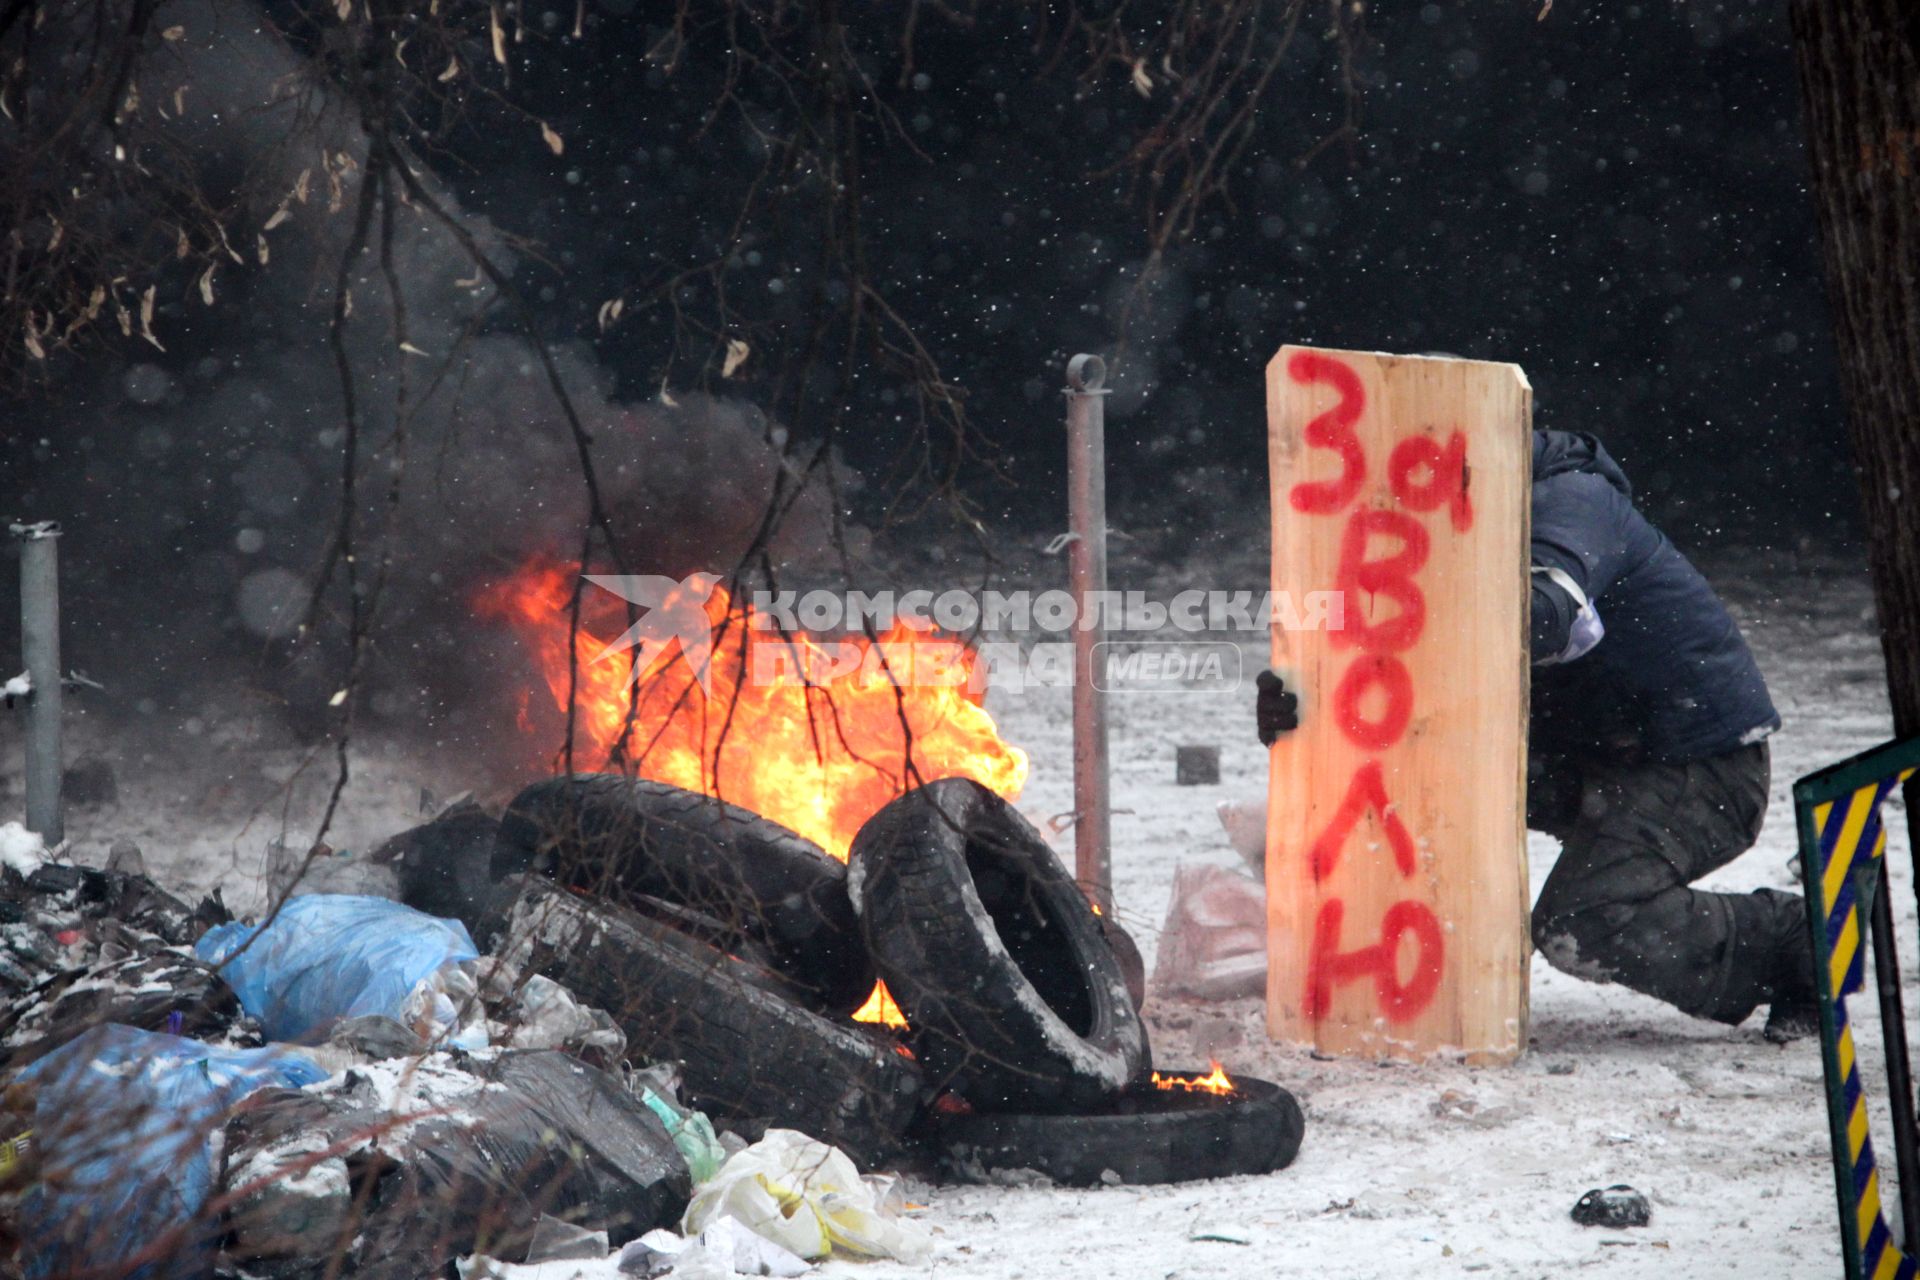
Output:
x,y
1618,906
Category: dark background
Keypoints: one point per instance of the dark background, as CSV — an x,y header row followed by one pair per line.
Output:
x,y
1614,197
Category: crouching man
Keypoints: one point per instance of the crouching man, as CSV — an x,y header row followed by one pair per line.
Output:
x,y
1647,760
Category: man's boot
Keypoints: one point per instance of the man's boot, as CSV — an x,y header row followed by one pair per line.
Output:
x,y
1794,1011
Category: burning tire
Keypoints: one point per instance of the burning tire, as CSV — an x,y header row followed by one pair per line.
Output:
x,y
1151,1134
746,1051
623,837
1004,974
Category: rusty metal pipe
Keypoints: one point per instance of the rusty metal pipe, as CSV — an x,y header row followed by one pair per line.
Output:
x,y
1087,569
40,650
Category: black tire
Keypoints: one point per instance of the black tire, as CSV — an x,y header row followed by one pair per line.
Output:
x,y
622,837
746,1052
724,937
1133,966
445,868
661,930
1151,1135
1014,998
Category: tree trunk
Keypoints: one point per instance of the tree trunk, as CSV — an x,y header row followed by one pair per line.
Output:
x,y
1860,84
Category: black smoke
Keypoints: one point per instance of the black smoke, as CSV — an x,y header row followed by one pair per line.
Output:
x,y
199,476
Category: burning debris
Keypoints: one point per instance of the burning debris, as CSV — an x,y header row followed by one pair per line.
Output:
x,y
713,870
750,723
805,897
1015,1012
746,720
1215,1081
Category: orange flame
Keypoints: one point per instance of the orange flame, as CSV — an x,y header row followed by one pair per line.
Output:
x,y
881,1008
1215,1081
815,735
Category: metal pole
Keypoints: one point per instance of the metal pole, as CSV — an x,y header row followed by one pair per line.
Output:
x,y
1893,1032
1087,566
40,649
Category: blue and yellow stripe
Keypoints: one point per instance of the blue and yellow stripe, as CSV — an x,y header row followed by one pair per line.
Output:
x,y
1850,836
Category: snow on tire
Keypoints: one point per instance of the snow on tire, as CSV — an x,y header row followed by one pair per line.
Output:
x,y
1013,995
621,837
1153,1135
746,1052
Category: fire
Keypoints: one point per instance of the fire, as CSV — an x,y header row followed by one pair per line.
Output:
x,y
787,726
881,1008
1215,1081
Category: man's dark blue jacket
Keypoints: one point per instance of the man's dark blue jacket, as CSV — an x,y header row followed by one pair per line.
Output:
x,y
1671,680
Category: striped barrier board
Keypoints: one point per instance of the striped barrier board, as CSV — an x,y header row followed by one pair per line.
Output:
x,y
1843,864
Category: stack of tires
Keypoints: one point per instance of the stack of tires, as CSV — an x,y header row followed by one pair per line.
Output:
x,y
723,940
1021,1012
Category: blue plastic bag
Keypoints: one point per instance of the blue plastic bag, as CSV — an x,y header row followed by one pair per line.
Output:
x,y
328,956
122,1120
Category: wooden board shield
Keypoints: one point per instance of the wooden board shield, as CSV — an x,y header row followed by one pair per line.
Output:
x,y
1396,832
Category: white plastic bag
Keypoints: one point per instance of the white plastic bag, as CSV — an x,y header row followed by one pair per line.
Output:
x,y
724,1250
444,1008
545,1015
808,1198
1245,822
21,849
1214,943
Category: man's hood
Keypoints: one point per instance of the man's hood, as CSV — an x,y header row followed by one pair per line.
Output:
x,y
1558,452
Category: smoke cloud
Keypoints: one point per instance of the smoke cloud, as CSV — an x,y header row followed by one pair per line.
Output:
x,y
200,484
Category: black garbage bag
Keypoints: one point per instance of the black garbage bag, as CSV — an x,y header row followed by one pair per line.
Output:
x,y
401,1167
139,903
444,868
74,894
148,986
29,956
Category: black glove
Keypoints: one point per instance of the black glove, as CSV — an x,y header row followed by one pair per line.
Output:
x,y
1276,710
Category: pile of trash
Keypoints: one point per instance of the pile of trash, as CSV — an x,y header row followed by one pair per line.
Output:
x,y
80,946
612,1032
350,1088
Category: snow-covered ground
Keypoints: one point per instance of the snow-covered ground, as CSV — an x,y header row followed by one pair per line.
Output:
x,y
1442,1169
1432,1169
